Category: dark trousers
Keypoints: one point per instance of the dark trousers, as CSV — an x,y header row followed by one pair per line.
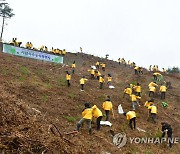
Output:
x,y
98,122
107,115
133,120
153,117
169,134
92,76
136,72
163,95
82,86
151,93
103,68
138,94
155,77
68,83
73,70
101,85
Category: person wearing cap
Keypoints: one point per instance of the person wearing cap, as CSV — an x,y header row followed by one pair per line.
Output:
x,y
98,115
68,78
148,103
86,116
134,100
97,64
137,89
109,79
103,65
156,75
162,90
131,117
101,81
82,82
73,67
107,106
152,113
152,91
167,128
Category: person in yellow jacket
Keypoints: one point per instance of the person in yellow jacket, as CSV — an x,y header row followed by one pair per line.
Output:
x,y
148,103
109,79
153,84
136,70
68,78
152,113
127,91
131,117
27,45
152,91
63,52
137,89
134,100
156,75
107,106
98,115
163,90
97,64
97,74
92,71
86,116
73,66
82,82
119,61
101,81
103,65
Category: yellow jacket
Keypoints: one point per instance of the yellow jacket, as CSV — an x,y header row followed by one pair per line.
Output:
x,y
97,63
134,97
128,91
138,88
163,89
157,74
68,77
107,105
152,84
130,115
147,104
136,68
73,65
153,109
153,89
103,65
96,112
92,71
109,79
101,79
87,113
82,80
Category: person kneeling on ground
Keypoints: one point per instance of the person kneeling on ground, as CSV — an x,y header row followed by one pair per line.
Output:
x,y
87,116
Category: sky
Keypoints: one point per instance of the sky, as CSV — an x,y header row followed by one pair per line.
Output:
x,y
144,31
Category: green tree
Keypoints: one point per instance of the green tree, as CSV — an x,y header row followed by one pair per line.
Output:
x,y
5,13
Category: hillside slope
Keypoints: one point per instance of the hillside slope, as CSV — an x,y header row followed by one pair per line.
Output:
x,y
35,100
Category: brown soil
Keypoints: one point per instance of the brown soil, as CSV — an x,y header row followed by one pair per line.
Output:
x,y
37,109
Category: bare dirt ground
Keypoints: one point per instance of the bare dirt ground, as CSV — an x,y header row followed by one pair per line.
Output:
x,y
37,109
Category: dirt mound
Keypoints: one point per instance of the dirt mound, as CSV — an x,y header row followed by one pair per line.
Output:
x,y
38,110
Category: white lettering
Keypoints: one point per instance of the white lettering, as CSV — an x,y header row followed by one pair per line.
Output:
x,y
131,140
150,140
137,140
176,140
144,140
157,140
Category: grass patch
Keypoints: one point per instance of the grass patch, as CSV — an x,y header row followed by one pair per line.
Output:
x,y
71,95
148,133
24,72
123,127
101,98
70,118
158,134
62,81
4,71
148,152
44,98
48,86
